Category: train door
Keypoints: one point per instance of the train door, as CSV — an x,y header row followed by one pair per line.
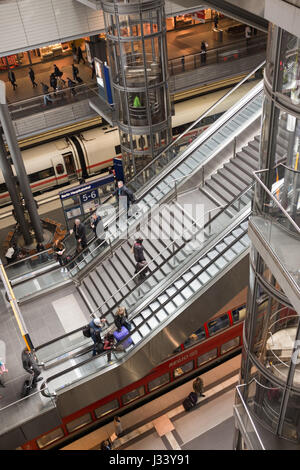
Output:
x,y
59,168
70,165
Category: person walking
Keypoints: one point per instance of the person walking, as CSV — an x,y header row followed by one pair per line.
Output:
x,y
79,55
58,73
216,20
138,252
53,81
12,78
47,99
31,365
79,232
32,77
198,386
71,85
59,248
203,52
75,73
118,426
96,325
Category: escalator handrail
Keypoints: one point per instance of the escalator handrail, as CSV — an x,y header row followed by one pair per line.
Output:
x,y
224,208
170,145
49,379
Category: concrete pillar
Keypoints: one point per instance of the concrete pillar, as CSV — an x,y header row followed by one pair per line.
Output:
x,y
13,192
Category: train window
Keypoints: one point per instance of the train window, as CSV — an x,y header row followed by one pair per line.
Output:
x,y
40,175
212,354
199,335
47,439
214,326
118,149
79,422
60,169
107,408
183,369
238,314
158,382
233,343
133,395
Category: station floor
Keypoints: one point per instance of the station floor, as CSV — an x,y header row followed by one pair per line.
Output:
x,y
180,42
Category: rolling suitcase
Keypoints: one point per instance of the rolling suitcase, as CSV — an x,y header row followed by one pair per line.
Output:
x,y
190,401
119,335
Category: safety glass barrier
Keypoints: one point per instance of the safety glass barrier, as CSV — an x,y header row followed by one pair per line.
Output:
x,y
52,99
38,261
277,217
25,409
190,133
220,55
41,283
242,410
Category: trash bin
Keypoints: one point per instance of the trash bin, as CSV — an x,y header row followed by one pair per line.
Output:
x,y
218,34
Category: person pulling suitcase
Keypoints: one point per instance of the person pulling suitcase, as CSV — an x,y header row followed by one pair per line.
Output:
x,y
31,365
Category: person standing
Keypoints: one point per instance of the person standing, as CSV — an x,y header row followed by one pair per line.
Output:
x,y
71,85
79,55
247,34
96,325
198,386
138,252
125,194
75,73
203,52
58,73
79,232
216,20
2,371
32,77
118,426
12,78
30,364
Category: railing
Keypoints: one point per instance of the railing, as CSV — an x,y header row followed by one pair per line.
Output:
x,y
281,216
230,52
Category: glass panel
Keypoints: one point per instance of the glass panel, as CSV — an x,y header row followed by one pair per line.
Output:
x,y
233,343
47,439
79,422
159,381
107,408
133,395
212,354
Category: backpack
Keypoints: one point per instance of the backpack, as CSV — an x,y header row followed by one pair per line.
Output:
x,y
86,331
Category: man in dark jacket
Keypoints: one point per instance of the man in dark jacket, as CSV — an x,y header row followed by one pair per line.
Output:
x,y
138,252
95,328
53,81
79,55
32,77
30,364
79,232
125,194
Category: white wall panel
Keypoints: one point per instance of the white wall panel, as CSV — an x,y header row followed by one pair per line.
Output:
x,y
39,23
12,33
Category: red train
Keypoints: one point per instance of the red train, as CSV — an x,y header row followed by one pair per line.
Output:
x,y
217,339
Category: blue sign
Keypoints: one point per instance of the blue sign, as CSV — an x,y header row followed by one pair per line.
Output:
x,y
83,188
118,167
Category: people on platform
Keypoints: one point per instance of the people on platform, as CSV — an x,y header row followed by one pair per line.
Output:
x,y
12,78
124,195
96,325
31,365
58,73
59,248
47,98
118,426
203,52
32,77
79,55
79,232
